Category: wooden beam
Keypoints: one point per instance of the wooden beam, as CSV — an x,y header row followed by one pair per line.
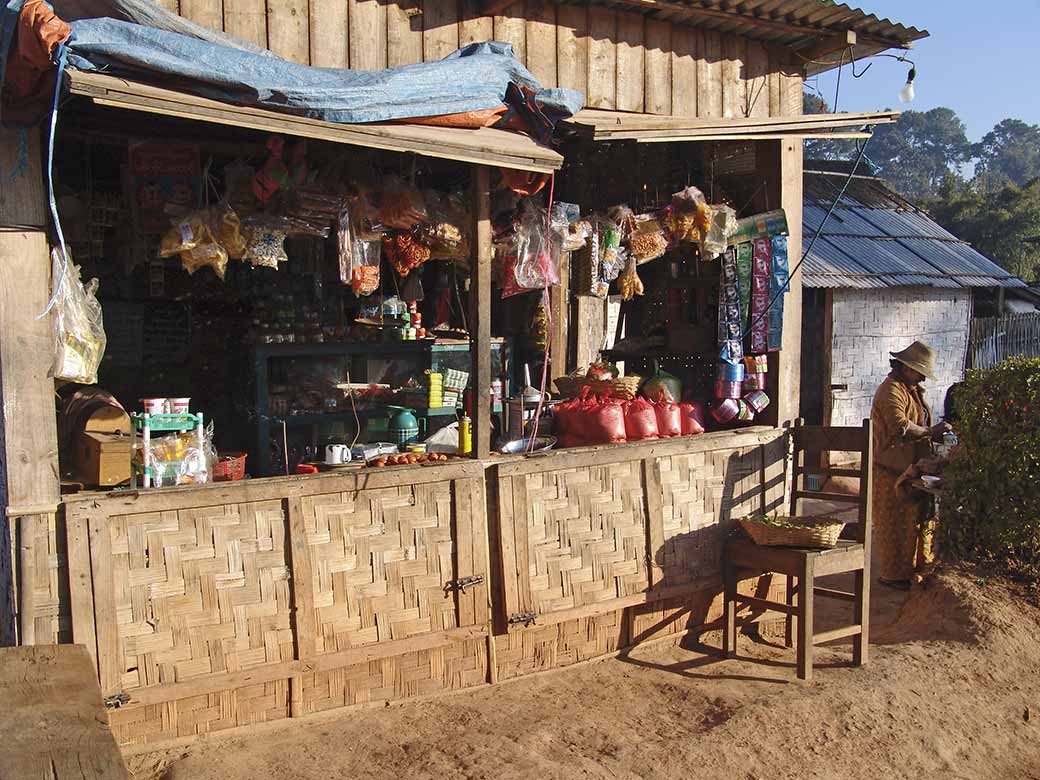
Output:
x,y
480,313
826,46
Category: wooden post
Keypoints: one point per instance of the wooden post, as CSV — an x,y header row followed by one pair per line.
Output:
x,y
29,443
480,313
789,363
560,304
590,327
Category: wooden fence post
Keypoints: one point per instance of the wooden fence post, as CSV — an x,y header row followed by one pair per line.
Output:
x,y
29,483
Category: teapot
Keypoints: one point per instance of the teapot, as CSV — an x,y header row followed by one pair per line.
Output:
x,y
402,427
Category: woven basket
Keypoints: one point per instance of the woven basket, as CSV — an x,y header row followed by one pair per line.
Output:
x,y
623,388
820,532
230,470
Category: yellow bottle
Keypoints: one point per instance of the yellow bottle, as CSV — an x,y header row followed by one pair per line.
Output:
x,y
465,436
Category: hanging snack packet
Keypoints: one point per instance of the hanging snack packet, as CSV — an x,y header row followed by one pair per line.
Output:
x,y
648,241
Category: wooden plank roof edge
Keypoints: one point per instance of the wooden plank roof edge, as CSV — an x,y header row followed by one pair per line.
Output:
x,y
486,146
607,125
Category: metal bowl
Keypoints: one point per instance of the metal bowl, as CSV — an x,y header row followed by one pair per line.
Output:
x,y
520,446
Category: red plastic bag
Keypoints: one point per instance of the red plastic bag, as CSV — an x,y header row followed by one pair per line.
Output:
x,y
589,421
669,419
692,418
640,420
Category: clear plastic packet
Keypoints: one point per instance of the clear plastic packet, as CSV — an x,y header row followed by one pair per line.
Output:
x,y
366,258
185,235
207,252
177,459
534,268
79,332
226,228
648,241
345,244
723,224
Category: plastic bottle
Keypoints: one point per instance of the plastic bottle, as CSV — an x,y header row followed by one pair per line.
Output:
x,y
465,436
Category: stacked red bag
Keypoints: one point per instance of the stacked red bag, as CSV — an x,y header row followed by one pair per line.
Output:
x,y
669,418
640,420
692,418
582,422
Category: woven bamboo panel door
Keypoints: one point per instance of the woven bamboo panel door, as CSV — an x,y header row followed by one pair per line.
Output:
x,y
577,536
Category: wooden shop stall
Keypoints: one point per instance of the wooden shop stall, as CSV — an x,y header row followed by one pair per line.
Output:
x,y
208,605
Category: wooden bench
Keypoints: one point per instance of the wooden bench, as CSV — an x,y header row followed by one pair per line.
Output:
x,y
53,724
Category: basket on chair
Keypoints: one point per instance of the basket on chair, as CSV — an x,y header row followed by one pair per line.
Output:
x,y
821,532
623,387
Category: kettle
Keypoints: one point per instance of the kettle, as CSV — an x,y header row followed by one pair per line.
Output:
x,y
402,427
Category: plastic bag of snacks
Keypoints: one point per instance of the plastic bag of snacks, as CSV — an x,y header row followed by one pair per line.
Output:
x,y
206,253
365,262
669,418
79,332
401,207
629,282
640,420
691,218
405,252
185,235
647,241
226,229
265,244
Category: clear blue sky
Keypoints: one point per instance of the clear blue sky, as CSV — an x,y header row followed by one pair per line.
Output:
x,y
982,60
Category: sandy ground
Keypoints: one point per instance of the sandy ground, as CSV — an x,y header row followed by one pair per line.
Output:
x,y
952,690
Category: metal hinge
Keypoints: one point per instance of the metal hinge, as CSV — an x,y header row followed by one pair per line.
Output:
x,y
465,582
522,619
116,701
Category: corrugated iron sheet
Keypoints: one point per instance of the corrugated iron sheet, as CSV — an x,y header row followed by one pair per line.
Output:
x,y
875,238
792,23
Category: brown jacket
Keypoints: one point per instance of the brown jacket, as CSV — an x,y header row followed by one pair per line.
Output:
x,y
896,405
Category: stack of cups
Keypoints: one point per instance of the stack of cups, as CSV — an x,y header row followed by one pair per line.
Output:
x,y
436,399
729,381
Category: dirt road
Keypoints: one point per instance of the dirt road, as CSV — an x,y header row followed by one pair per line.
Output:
x,y
953,691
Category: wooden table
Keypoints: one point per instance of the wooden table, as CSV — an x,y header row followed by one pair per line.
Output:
x,y
52,719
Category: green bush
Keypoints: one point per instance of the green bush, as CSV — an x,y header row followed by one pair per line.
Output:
x,y
992,508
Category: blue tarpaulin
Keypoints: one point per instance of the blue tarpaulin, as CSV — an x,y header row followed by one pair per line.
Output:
x,y
471,79
140,41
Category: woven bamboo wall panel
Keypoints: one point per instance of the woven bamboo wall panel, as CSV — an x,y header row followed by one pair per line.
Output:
x,y
380,560
701,493
203,714
586,534
452,667
540,648
200,591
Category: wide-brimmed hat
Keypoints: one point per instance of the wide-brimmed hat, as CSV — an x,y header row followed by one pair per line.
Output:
x,y
918,356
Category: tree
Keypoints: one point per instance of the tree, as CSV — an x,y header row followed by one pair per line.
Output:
x,y
1007,154
920,151
997,224
915,154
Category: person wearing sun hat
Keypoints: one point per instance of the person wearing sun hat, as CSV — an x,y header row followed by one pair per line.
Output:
x,y
903,435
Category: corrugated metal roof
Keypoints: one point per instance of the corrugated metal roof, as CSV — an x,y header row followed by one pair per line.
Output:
x,y
875,238
796,24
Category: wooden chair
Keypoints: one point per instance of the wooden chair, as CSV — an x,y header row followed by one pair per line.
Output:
x,y
743,559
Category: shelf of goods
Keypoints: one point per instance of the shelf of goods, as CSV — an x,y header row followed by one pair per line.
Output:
x,y
433,355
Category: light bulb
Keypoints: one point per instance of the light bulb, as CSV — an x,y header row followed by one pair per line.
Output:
x,y
906,94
